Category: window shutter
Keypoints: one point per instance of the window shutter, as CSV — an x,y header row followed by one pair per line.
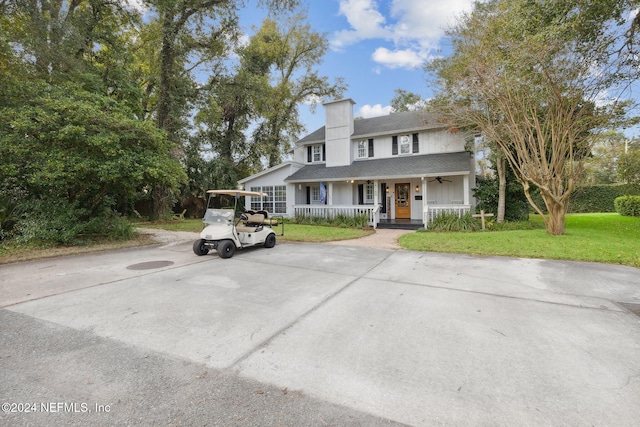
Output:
x,y
383,191
371,147
416,144
360,194
308,195
394,145
324,153
309,154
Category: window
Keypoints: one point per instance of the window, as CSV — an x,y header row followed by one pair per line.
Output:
x,y
405,144
274,202
362,149
280,199
365,148
316,153
365,194
368,194
315,195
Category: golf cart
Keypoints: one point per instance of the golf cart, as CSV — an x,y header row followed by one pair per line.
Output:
x,y
225,230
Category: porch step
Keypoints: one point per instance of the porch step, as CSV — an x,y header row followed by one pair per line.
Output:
x,y
396,225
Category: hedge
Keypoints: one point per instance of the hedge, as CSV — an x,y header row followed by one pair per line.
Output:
x,y
628,205
600,198
594,198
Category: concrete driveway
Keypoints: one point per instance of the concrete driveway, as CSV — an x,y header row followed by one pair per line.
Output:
x,y
306,334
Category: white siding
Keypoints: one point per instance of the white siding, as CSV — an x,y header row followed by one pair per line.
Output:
x,y
441,141
430,142
447,192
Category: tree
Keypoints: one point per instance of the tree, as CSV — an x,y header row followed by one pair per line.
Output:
x,y
275,74
530,77
602,164
503,195
193,34
65,146
286,54
58,38
406,101
629,164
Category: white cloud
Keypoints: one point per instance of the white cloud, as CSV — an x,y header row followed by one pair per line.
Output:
x,y
405,58
367,111
413,27
365,20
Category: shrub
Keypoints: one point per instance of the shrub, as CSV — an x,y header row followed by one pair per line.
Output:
x,y
59,223
51,222
628,205
452,222
118,228
9,216
516,203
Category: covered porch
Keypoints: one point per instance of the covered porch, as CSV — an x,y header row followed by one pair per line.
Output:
x,y
410,202
390,191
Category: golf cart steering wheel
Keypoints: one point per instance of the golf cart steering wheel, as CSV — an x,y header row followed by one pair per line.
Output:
x,y
244,217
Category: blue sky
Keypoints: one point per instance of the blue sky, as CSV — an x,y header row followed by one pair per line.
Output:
x,y
377,46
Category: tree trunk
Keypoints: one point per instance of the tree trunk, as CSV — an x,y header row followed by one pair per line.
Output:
x,y
161,200
554,220
502,187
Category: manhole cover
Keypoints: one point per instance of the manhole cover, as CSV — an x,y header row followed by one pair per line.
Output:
x,y
150,265
634,308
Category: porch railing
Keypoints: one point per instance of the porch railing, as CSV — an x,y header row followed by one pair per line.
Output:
x,y
432,211
331,211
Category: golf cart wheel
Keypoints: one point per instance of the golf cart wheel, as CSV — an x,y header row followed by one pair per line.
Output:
x,y
199,248
270,241
226,249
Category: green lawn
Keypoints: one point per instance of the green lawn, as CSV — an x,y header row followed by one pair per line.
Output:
x,y
602,237
608,238
292,232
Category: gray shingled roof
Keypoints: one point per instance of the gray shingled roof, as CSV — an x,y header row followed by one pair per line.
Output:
x,y
383,125
415,165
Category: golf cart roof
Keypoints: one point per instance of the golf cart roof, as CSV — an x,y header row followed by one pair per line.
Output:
x,y
237,193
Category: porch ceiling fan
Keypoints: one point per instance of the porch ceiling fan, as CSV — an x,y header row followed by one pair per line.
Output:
x,y
440,180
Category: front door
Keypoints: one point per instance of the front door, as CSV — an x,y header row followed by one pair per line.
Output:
x,y
403,202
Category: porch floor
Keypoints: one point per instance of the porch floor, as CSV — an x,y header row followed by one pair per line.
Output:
x,y
401,224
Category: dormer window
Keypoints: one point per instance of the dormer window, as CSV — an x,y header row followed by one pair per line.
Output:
x,y
405,144
316,153
365,148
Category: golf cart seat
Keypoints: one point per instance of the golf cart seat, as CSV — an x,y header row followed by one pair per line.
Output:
x,y
267,220
251,223
259,218
254,219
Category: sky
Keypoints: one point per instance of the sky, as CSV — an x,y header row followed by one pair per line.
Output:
x,y
377,46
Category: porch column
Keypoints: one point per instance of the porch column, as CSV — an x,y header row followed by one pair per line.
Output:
x,y
376,192
465,185
423,183
330,194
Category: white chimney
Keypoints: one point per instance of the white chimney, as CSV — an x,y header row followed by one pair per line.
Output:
x,y
338,131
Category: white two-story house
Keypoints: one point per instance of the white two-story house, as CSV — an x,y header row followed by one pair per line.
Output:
x,y
402,168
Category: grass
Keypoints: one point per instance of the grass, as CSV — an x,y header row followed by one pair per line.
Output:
x,y
292,232
605,237
602,237
14,252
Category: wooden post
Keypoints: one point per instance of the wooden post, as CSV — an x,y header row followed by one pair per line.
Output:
x,y
482,215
